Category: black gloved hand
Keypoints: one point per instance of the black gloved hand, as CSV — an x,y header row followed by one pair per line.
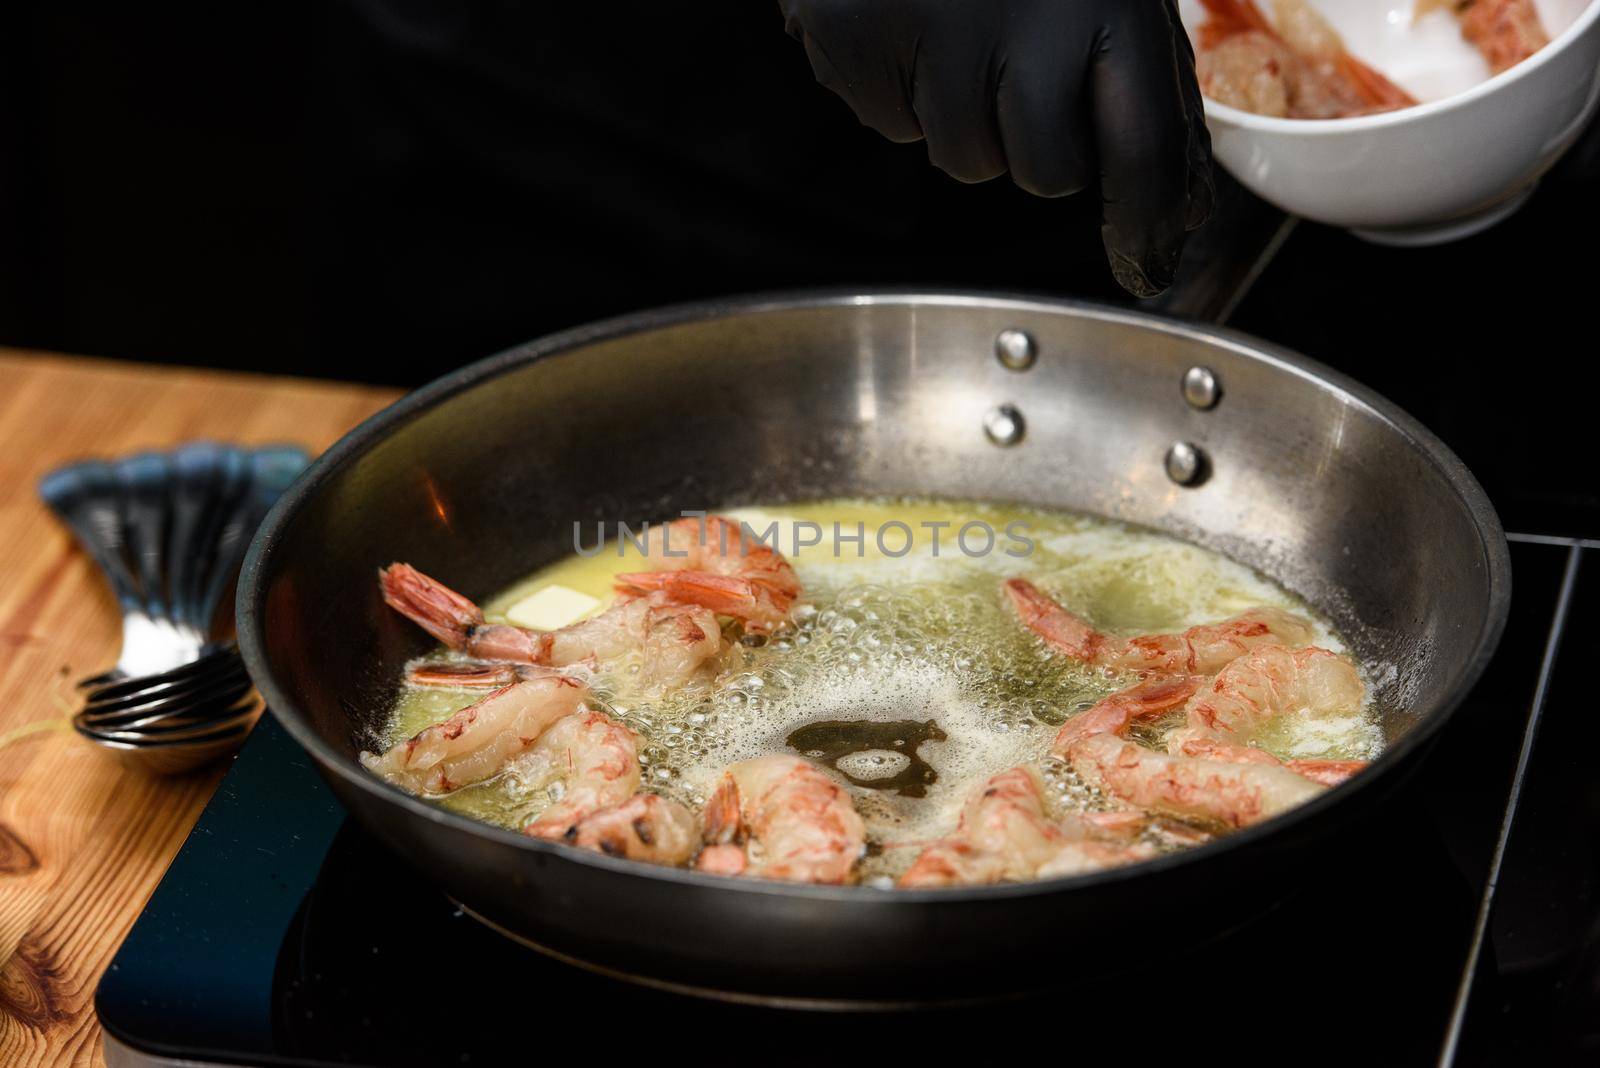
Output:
x,y
1058,92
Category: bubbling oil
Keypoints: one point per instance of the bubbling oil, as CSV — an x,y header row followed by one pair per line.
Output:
x,y
924,639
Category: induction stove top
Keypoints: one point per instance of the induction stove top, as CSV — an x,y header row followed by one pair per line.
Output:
x,y
1465,930
283,934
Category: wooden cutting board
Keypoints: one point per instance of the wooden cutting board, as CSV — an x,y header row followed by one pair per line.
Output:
x,y
83,840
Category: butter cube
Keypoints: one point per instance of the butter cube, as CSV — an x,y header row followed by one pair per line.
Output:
x,y
551,608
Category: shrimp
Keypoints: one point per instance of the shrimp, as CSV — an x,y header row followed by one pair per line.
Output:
x,y
645,827
780,817
1296,62
1202,774
475,743
677,640
1231,793
1247,71
1326,772
1201,650
710,562
595,758
1006,835
1115,714
457,621
1265,684
1505,31
672,639
459,675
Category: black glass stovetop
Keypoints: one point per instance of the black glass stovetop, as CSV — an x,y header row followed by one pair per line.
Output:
x,y
282,934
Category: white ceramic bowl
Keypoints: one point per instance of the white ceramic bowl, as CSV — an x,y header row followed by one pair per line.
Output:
x,y
1435,172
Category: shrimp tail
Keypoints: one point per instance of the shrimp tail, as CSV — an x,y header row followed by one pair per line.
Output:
x,y
1067,632
941,864
1374,88
724,832
750,600
1116,713
722,860
459,676
429,603
456,621
645,827
723,823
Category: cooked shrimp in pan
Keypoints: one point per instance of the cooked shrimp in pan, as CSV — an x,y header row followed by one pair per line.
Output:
x,y
1202,777
1326,772
593,758
673,639
1269,682
1201,650
475,743
457,621
645,827
710,562
1234,794
906,718
461,675
1006,835
780,817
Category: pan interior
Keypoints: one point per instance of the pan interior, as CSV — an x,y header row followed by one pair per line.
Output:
x,y
905,670
1338,499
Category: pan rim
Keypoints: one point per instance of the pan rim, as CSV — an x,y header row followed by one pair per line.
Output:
x,y
368,433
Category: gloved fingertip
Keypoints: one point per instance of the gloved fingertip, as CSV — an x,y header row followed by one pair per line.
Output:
x,y
1145,277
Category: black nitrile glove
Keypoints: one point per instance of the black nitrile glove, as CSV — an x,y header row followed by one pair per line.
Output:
x,y
1058,92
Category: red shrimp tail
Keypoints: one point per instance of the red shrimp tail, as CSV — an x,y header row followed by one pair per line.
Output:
x,y
722,860
941,864
752,601
723,823
516,645
1114,715
462,676
1506,32
1379,92
1069,633
549,830
429,603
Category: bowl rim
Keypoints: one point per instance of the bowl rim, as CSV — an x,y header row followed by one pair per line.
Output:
x,y
250,600
1323,127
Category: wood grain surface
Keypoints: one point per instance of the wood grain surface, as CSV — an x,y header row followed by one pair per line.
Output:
x,y
83,840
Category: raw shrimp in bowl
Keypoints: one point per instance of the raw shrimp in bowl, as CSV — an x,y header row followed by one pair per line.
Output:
x,y
1286,58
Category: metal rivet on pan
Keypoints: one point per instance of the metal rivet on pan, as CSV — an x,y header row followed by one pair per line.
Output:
x,y
1004,425
1015,350
1201,388
1186,464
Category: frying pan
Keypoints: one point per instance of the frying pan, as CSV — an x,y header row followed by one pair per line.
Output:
x,y
1283,465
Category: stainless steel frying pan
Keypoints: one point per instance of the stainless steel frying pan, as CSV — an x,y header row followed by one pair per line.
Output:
x,y
1240,447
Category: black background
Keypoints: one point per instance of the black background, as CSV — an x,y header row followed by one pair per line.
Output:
x,y
383,191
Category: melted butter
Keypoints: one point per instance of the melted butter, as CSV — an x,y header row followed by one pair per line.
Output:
x,y
906,640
